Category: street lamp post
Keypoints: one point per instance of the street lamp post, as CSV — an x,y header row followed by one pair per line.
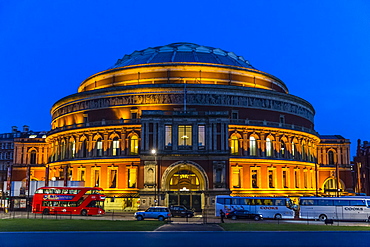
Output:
x,y
154,152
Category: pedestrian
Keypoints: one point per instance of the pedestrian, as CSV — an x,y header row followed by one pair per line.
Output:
x,y
222,214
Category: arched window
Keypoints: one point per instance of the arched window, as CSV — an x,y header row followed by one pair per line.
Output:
x,y
134,145
330,158
115,146
282,149
268,147
99,148
304,154
252,146
234,145
33,157
63,150
73,148
84,148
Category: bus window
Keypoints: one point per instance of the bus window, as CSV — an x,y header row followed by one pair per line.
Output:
x,y
279,202
221,201
357,203
227,201
57,191
325,202
74,192
235,201
267,202
307,202
243,201
341,203
39,191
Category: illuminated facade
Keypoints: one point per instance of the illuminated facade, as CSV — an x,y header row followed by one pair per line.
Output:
x,y
182,123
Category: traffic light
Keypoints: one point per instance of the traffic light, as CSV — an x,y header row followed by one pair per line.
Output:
x,y
6,195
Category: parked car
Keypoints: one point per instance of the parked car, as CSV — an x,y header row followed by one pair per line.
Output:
x,y
160,213
181,211
243,214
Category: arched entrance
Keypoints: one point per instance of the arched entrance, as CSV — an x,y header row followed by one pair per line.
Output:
x,y
331,187
185,183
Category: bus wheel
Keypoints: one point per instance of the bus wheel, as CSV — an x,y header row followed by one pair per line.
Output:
x,y
233,217
368,220
46,211
322,217
161,218
278,217
83,212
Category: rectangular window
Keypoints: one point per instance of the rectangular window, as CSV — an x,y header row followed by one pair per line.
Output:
x,y
201,136
82,175
312,178
254,179
132,178
185,136
236,178
271,179
96,178
113,179
285,179
305,179
296,179
168,137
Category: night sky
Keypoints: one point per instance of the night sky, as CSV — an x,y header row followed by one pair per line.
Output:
x,y
320,49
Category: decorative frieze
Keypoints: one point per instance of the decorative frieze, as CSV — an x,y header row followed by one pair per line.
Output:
x,y
191,99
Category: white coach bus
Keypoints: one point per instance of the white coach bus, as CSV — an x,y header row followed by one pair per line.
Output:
x,y
336,208
269,207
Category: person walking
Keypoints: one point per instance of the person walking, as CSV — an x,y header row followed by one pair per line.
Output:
x,y
222,214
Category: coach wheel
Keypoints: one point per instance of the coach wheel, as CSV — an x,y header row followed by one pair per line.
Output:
x,y
139,217
46,211
278,217
322,217
161,218
83,212
368,220
233,217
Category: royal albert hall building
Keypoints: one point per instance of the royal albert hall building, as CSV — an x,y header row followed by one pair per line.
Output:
x,y
182,123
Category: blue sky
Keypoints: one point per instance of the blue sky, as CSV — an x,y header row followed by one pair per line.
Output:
x,y
320,49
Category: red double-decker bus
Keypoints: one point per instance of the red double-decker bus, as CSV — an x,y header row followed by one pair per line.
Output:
x,y
68,200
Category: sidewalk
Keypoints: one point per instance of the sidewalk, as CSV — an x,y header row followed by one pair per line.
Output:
x,y
186,227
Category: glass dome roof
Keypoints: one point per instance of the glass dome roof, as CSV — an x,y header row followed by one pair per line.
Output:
x,y
183,52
